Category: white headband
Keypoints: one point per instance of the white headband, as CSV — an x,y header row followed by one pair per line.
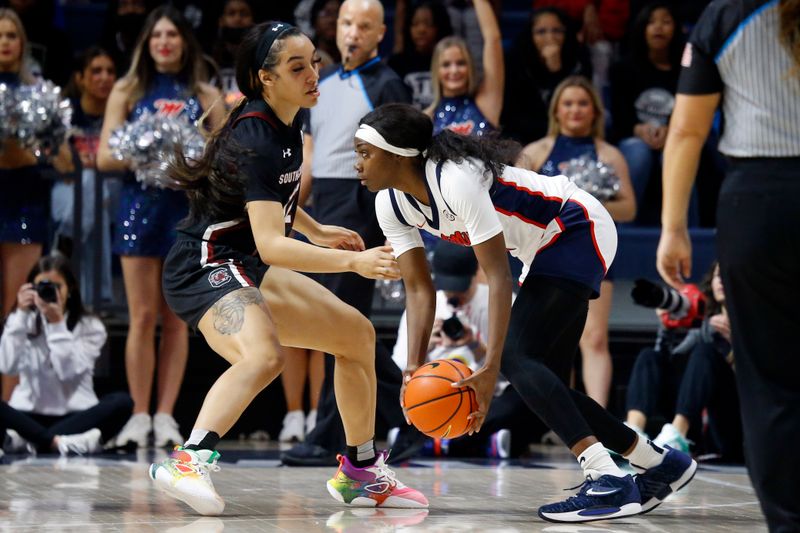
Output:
x,y
372,136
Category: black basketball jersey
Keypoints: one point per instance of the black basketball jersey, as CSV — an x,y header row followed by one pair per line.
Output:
x,y
269,167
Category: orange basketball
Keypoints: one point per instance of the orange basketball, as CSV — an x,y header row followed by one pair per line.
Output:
x,y
433,405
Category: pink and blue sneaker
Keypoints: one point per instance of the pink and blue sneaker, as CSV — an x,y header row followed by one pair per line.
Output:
x,y
373,486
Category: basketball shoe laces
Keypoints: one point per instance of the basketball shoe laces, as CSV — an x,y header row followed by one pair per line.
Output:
x,y
384,474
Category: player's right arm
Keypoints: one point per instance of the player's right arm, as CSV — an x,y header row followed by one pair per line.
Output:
x,y
116,111
274,248
420,305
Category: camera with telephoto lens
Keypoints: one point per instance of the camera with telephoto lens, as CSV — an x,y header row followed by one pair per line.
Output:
x,y
47,291
685,308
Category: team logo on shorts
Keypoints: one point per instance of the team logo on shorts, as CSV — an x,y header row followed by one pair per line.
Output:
x,y
219,277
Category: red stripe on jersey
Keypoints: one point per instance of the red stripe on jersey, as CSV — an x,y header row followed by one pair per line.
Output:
x,y
529,191
522,218
591,232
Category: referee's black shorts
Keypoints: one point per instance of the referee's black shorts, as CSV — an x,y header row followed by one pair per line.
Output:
x,y
193,283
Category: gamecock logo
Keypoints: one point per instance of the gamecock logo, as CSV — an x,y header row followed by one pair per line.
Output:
x,y
219,277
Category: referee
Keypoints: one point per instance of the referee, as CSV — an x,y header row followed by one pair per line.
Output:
x,y
746,55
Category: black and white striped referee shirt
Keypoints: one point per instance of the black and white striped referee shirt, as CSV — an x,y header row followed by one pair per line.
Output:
x,y
735,50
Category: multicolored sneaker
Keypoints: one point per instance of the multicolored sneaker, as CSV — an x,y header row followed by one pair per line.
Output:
x,y
372,486
185,475
607,497
655,484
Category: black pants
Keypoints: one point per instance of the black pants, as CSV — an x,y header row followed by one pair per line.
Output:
x,y
758,236
668,384
109,415
709,383
344,202
546,324
655,381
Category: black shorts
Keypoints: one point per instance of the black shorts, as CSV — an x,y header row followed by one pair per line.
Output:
x,y
192,284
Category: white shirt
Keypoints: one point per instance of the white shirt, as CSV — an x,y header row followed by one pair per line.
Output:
x,y
56,367
524,206
474,314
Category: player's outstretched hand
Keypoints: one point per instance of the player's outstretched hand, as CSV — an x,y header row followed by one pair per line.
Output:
x,y
339,237
377,263
482,381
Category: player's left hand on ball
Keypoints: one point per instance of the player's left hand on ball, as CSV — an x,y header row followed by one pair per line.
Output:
x,y
482,381
341,238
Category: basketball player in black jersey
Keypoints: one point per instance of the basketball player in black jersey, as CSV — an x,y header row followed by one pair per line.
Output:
x,y
231,275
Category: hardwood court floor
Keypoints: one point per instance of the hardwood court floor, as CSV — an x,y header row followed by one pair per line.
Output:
x,y
113,493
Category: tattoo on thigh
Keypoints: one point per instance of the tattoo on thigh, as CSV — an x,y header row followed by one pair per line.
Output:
x,y
228,312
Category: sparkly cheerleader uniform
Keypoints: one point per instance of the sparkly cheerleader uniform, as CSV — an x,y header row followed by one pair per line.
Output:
x,y
461,115
23,202
564,149
148,216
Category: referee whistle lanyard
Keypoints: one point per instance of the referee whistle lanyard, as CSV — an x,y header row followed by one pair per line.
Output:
x,y
344,74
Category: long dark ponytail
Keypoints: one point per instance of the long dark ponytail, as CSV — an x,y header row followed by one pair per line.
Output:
x,y
213,182
405,126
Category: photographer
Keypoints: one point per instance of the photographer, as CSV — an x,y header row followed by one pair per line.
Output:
x,y
688,376
461,319
461,323
52,343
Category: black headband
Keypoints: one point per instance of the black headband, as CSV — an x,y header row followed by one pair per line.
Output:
x,y
271,34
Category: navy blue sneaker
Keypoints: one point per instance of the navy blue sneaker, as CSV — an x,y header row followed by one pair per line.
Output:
x,y
608,497
675,471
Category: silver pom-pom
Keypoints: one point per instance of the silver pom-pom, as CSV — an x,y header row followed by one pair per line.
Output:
x,y
8,107
42,118
149,144
595,177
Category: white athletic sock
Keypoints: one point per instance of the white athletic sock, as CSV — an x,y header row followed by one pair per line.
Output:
x,y
645,454
596,462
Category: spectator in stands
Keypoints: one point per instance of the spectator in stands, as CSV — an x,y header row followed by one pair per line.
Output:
x,y
52,343
541,58
48,48
124,21
694,375
415,37
466,24
600,24
23,206
88,91
576,127
323,19
643,92
461,102
686,11
236,19
166,77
